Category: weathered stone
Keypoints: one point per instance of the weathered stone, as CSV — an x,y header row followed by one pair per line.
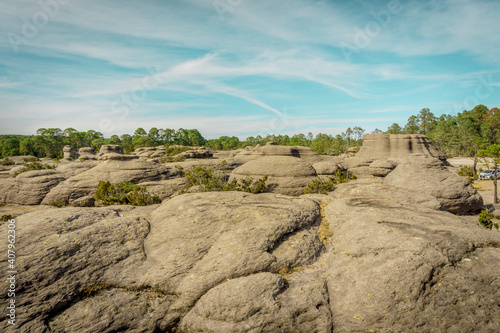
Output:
x,y
63,256
429,175
381,168
326,167
262,303
75,168
383,146
197,241
286,175
87,153
197,152
107,149
114,171
305,153
396,266
29,187
68,152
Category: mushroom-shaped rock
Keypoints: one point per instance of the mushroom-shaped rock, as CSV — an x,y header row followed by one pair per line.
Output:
x,y
286,175
106,149
87,153
67,152
429,175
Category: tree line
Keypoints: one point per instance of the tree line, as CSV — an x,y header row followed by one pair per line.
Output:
x,y
461,135
49,142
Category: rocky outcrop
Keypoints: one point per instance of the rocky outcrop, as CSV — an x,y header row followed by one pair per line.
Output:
x,y
396,266
30,187
197,152
150,152
262,302
68,153
383,146
429,175
286,175
305,153
65,256
381,168
75,168
114,171
241,262
198,241
326,167
113,152
87,153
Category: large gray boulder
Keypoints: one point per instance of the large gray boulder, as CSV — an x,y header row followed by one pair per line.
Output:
x,y
198,241
397,266
420,173
286,175
63,256
30,187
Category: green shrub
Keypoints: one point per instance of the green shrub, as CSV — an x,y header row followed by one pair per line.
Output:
x,y
124,193
58,203
324,186
7,161
485,219
172,151
208,179
33,166
31,159
6,218
467,172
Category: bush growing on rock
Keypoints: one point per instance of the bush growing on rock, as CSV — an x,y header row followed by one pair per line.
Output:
x,y
485,219
31,159
58,203
124,193
324,186
7,161
33,166
207,179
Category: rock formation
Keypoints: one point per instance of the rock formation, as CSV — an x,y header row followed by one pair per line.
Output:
x,y
424,174
114,171
113,152
383,146
87,153
30,187
286,175
68,152
240,262
197,152
305,153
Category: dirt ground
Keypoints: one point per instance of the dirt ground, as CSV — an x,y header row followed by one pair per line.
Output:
x,y
484,187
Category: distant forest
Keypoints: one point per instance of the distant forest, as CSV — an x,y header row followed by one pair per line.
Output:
x,y
460,135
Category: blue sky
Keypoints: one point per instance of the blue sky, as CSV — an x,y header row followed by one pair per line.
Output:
x,y
243,67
